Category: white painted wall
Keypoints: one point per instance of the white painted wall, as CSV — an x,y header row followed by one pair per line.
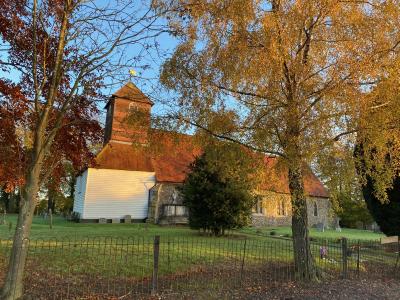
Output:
x,y
80,191
117,193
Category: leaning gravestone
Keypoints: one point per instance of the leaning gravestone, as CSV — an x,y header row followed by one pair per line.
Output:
x,y
128,219
102,220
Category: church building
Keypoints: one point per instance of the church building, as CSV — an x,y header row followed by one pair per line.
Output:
x,y
130,180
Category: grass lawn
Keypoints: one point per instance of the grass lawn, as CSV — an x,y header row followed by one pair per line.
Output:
x,y
108,254
64,229
352,234
83,257
108,249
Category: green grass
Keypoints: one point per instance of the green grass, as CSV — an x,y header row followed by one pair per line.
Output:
x,y
352,234
83,255
63,229
109,250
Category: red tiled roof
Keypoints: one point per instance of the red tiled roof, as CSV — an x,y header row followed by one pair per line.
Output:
x,y
277,180
171,161
120,156
132,92
174,157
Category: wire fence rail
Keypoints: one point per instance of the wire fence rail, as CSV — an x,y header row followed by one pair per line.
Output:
x,y
132,268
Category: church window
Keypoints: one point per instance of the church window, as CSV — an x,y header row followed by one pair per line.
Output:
x,y
281,208
132,106
259,207
315,210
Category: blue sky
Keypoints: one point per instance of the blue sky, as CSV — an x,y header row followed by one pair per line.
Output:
x,y
146,79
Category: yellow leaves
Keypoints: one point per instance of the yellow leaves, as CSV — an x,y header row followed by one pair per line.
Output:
x,y
309,63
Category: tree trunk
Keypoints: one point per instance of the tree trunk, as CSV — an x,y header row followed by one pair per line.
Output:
x,y
13,284
51,202
304,262
5,197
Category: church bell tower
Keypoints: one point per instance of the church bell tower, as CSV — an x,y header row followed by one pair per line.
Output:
x,y
128,116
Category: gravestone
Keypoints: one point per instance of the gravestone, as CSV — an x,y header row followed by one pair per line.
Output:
x,y
102,220
375,228
337,224
115,220
128,219
320,227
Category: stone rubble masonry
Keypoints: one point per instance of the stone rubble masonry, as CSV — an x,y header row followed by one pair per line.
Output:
x,y
167,193
163,194
270,217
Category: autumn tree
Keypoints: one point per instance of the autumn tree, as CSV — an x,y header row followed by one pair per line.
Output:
x,y
336,166
286,78
62,52
385,213
377,150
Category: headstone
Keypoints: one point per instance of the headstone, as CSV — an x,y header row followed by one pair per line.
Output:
x,y
128,219
375,228
115,220
337,224
102,220
321,227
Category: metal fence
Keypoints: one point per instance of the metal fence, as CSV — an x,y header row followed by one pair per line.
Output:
x,y
132,268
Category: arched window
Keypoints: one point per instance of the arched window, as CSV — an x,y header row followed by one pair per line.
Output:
x,y
315,209
259,207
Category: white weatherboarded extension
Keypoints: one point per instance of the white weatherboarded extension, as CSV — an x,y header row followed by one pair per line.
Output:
x,y
80,191
115,194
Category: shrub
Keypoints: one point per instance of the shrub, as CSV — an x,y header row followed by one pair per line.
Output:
x,y
218,190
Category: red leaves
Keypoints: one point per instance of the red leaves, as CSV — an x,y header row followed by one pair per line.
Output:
x,y
80,129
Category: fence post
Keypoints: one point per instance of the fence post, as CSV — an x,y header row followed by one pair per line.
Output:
x,y
344,258
51,218
156,253
398,253
358,258
243,258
